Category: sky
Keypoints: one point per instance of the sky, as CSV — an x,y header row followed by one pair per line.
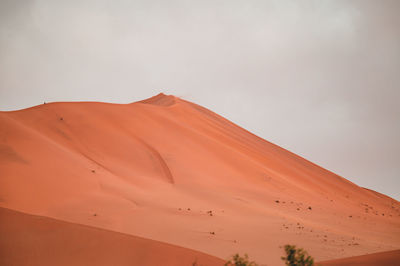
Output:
x,y
319,78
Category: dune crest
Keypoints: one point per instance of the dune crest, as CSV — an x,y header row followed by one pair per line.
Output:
x,y
185,176
161,100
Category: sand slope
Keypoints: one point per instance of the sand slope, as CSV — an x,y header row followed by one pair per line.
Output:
x,y
388,258
34,240
170,170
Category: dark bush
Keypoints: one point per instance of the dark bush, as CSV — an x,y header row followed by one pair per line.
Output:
x,y
240,261
297,257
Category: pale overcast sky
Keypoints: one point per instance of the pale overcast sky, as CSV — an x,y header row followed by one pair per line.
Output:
x,y
320,78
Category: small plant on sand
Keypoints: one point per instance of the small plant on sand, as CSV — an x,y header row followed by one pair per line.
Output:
x,y
240,261
297,257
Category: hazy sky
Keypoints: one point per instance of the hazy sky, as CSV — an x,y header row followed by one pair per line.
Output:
x,y
320,78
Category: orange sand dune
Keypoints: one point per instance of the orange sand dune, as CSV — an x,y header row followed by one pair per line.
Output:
x,y
388,258
170,170
44,241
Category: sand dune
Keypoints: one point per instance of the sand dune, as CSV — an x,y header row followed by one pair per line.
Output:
x,y
388,258
34,240
169,170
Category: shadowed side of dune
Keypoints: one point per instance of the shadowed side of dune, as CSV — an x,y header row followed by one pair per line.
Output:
x,y
382,258
35,240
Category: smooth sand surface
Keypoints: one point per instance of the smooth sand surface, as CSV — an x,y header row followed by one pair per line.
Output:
x,y
388,258
35,240
169,170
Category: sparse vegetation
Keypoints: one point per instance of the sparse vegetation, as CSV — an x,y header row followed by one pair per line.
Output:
x,y
237,260
294,257
297,257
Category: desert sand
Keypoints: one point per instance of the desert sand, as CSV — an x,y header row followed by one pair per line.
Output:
x,y
388,258
168,170
45,241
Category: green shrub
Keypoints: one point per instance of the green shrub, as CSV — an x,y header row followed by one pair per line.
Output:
x,y
240,261
297,257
